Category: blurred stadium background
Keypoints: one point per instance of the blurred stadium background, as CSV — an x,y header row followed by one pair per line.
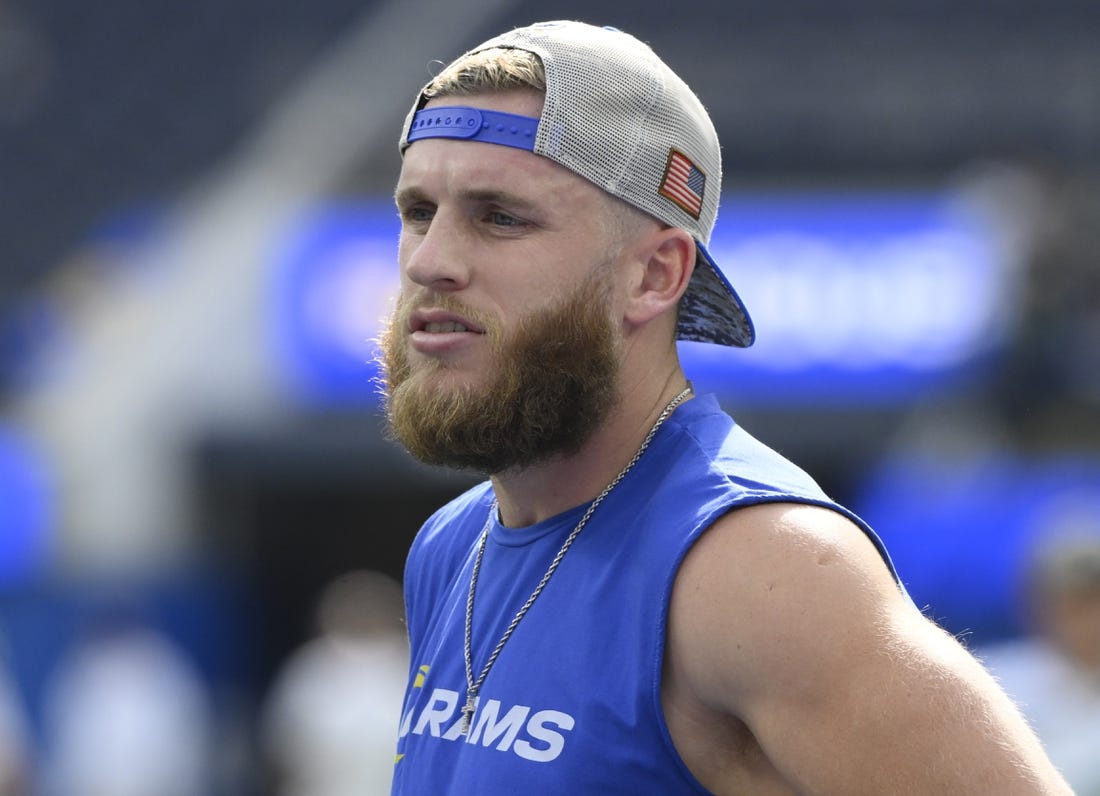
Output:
x,y
196,248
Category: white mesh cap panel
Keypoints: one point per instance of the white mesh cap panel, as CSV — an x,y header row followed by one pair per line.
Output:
x,y
615,113
614,110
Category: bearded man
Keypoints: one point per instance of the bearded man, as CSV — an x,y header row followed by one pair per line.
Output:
x,y
641,598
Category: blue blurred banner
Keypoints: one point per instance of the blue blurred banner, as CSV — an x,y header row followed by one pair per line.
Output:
x,y
858,298
963,533
25,508
334,282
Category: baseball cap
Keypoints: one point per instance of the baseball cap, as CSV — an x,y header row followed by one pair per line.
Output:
x,y
618,116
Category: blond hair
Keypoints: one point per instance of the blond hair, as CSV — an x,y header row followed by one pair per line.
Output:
x,y
492,70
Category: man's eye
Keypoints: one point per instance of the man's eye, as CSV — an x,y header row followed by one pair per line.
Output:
x,y
503,219
417,214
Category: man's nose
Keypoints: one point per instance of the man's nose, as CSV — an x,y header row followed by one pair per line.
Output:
x,y
438,258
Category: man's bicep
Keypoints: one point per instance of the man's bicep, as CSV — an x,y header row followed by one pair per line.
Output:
x,y
800,631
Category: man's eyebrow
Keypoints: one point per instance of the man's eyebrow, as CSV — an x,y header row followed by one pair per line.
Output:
x,y
411,195
407,196
495,196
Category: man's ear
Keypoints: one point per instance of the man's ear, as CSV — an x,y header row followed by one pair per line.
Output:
x,y
665,266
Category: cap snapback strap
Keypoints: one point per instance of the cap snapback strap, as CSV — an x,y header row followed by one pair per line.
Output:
x,y
474,124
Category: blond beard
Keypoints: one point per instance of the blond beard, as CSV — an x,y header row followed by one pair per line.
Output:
x,y
553,384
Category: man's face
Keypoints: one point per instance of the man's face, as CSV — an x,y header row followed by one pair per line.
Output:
x,y
504,346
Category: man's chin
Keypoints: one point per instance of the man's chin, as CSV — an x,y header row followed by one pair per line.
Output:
x,y
443,383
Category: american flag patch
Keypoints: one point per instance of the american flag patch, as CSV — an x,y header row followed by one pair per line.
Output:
x,y
683,182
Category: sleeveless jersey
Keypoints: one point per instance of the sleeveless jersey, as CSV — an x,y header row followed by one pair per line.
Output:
x,y
573,703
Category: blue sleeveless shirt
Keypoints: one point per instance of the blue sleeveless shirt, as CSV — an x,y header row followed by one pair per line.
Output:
x,y
573,703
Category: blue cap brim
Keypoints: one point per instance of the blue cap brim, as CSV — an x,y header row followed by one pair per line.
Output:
x,y
710,310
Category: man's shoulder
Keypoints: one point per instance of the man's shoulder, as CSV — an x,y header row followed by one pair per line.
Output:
x,y
454,521
781,527
721,450
791,578
765,539
760,563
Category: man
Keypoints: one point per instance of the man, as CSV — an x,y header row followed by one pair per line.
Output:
x,y
642,598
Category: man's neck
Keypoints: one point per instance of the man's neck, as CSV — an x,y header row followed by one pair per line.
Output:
x,y
543,490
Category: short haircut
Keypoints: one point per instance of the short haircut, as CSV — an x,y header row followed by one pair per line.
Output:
x,y
493,70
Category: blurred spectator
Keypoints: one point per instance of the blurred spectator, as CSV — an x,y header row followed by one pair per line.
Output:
x,y
126,715
1051,388
15,751
330,725
1055,674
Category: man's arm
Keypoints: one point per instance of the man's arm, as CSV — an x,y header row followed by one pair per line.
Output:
x,y
786,619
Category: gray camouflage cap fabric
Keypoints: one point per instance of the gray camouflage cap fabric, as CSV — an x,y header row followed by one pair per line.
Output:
x,y
617,115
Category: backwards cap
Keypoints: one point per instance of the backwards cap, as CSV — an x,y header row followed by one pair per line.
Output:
x,y
617,115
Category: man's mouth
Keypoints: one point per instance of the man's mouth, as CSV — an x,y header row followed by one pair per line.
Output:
x,y
444,327
438,321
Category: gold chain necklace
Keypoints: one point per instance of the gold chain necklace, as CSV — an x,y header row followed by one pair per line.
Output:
x,y
474,686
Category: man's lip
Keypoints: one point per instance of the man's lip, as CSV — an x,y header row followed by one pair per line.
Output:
x,y
419,320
